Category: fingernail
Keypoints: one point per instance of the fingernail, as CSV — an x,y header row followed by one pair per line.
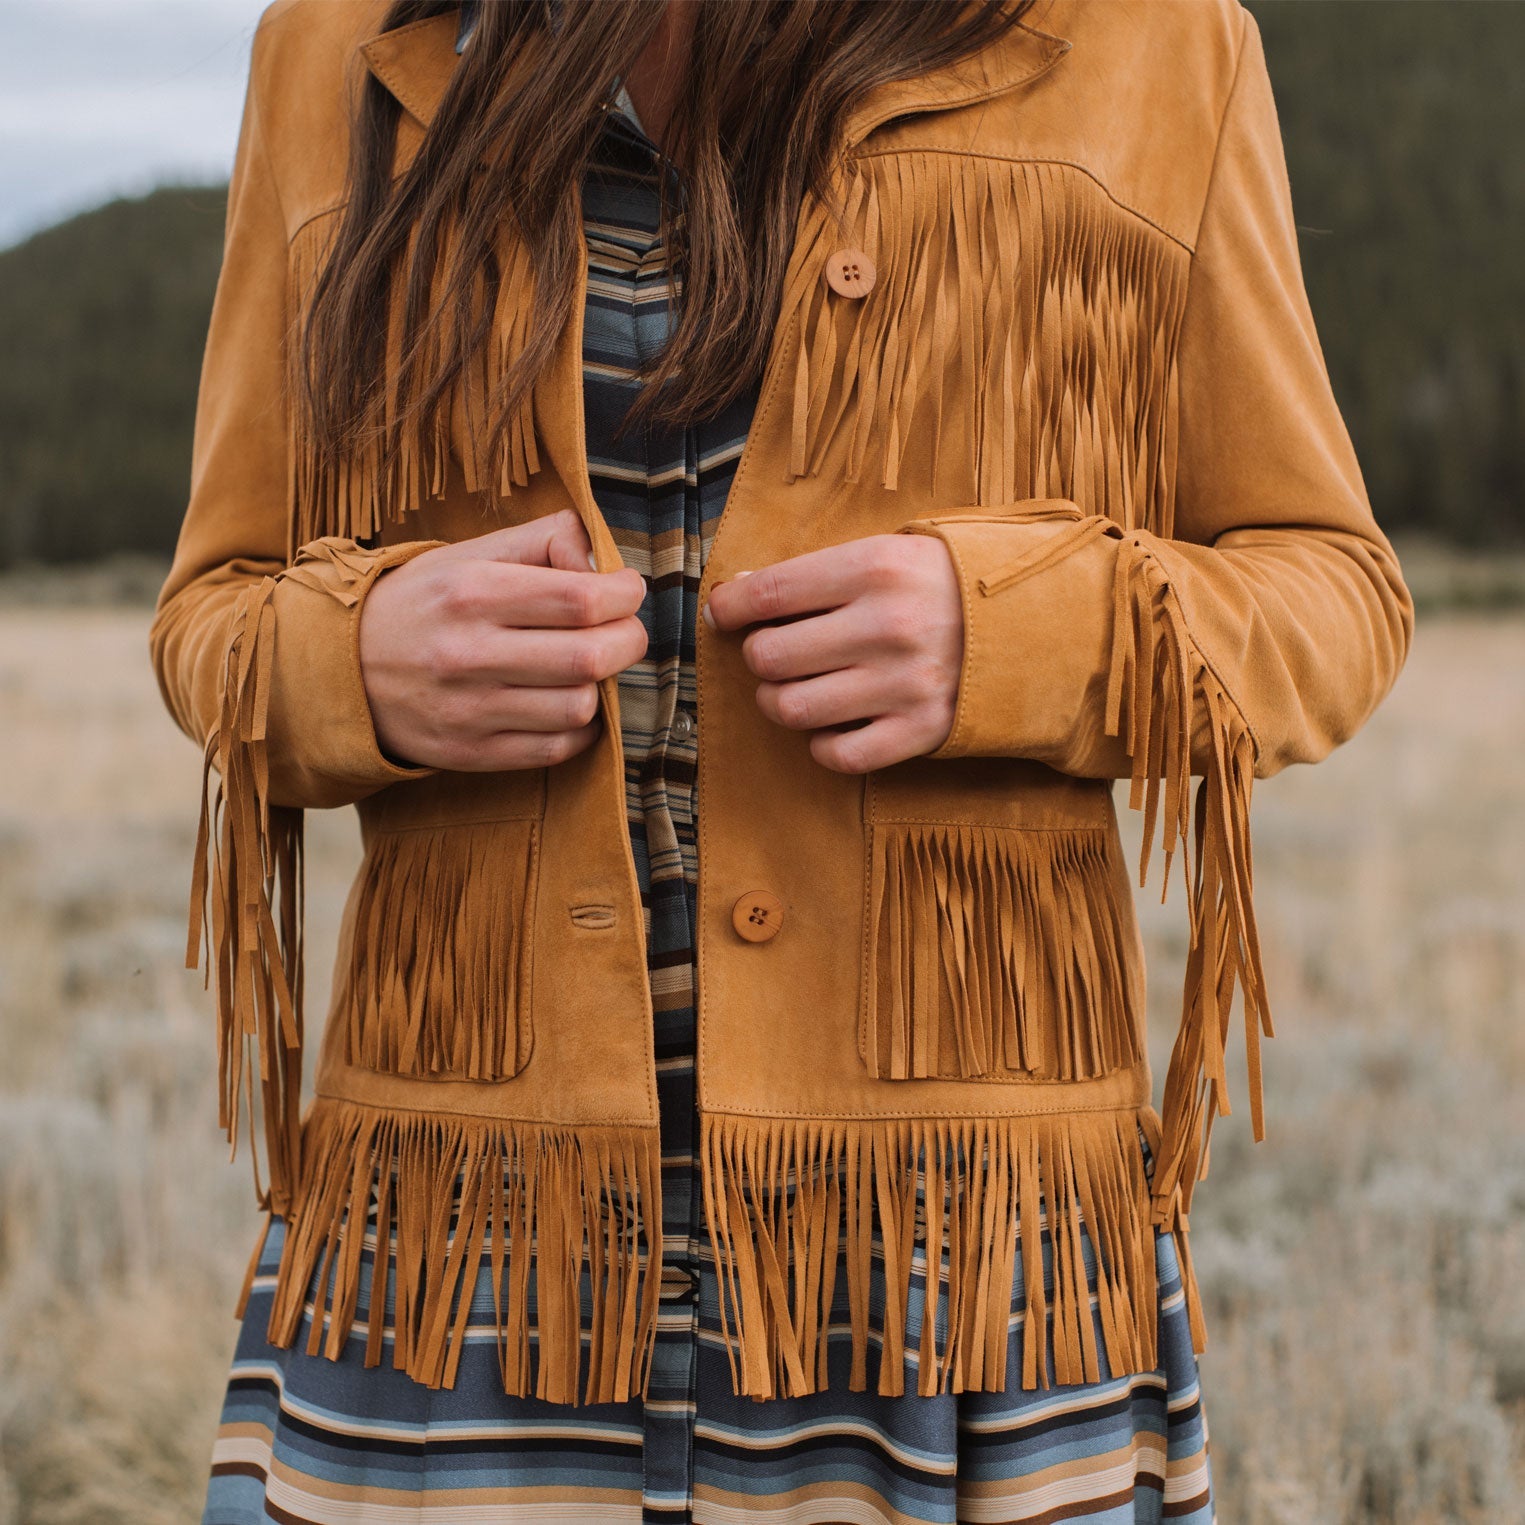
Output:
x,y
709,619
593,561
744,574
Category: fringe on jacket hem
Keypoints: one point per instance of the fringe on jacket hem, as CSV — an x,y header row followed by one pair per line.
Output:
x,y
549,1208
787,1200
788,1203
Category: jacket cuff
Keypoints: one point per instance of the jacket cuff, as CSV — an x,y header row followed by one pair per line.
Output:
x,y
1036,588
326,752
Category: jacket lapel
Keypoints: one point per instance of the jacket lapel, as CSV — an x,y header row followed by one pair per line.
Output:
x,y
415,63
1016,58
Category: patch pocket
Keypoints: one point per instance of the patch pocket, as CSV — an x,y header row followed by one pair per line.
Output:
x,y
1000,939
436,981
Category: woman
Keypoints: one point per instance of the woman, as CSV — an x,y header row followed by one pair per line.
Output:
x,y
790,1159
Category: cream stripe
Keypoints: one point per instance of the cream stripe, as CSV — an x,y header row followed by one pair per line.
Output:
x,y
338,1424
370,1510
1187,1485
765,1440
844,1511
1062,1402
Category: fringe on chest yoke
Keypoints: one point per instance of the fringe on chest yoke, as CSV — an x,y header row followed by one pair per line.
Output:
x,y
1020,285
405,461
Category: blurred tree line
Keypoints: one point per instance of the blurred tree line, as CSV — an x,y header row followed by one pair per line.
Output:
x,y
1403,121
102,323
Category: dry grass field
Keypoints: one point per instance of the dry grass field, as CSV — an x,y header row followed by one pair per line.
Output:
x,y
1364,1269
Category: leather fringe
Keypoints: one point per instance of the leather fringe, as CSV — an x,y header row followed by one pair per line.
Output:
x,y
405,459
1056,311
1163,682
249,858
550,1208
995,951
785,1197
437,981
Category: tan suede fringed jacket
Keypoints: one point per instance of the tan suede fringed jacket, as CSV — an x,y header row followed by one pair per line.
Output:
x,y
1084,360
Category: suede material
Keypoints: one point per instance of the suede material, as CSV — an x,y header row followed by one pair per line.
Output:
x,y
1284,568
1289,586
1089,367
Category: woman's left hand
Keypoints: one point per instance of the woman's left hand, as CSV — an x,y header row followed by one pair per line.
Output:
x,y
869,651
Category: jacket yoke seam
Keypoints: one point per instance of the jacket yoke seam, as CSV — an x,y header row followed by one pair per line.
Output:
x,y
312,217
1075,164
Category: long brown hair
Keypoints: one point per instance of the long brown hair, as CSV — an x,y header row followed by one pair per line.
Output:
x,y
768,89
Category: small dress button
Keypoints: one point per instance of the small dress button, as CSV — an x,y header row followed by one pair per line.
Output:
x,y
682,723
850,273
758,915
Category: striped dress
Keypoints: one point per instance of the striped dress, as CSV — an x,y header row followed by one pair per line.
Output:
x,y
304,1439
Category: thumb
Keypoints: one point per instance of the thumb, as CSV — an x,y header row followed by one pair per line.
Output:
x,y
570,549
552,540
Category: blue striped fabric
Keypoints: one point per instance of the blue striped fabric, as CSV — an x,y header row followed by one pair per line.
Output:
x,y
304,1439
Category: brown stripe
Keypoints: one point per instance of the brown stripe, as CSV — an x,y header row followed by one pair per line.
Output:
x,y
1183,1507
240,1469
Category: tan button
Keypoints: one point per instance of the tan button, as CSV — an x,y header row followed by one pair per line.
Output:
x,y
850,273
758,915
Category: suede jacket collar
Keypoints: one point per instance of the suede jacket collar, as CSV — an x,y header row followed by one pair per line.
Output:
x,y
416,62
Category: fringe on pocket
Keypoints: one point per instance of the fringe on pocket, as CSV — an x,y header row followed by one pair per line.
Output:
x,y
997,951
437,981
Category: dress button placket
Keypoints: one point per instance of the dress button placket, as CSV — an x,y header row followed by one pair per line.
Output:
x,y
667,1420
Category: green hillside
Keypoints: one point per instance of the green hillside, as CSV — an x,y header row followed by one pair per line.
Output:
x,y
102,323
1403,121
1402,118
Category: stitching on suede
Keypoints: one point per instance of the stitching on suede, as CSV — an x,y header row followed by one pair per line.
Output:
x,y
941,1113
931,820
1090,174
865,950
434,1108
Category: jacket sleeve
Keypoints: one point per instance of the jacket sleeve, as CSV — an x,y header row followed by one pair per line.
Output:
x,y
1285,586
1262,629
255,645
234,574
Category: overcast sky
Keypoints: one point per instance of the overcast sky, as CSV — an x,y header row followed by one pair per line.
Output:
x,y
102,98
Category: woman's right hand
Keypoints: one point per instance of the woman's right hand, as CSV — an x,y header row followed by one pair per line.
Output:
x,y
486,654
